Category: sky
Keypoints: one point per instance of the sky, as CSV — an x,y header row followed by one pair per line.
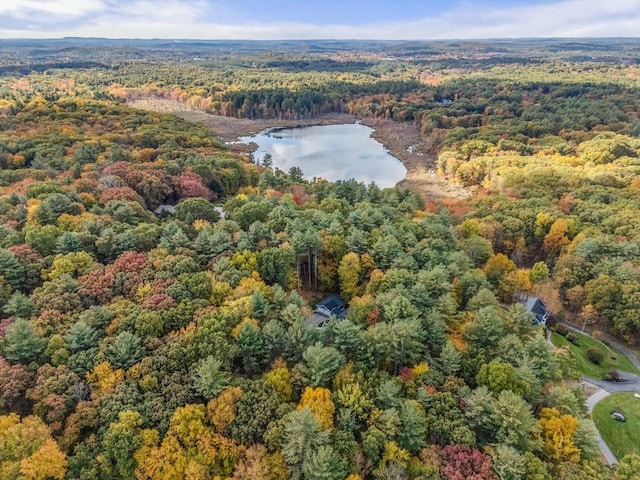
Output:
x,y
319,19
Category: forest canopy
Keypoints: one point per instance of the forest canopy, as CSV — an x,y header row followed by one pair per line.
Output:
x,y
155,286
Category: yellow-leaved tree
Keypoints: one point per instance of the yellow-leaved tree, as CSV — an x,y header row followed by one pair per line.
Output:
x,y
189,450
104,378
27,451
349,274
221,410
319,402
280,379
557,436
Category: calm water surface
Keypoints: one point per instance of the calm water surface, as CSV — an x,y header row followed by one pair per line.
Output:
x,y
333,152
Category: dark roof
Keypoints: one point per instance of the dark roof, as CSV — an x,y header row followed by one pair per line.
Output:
x,y
537,308
333,305
535,305
332,302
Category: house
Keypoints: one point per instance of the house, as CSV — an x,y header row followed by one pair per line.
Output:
x,y
332,306
538,309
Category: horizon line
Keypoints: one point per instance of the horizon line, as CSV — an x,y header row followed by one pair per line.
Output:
x,y
182,39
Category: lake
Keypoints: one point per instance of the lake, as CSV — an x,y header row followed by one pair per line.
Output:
x,y
333,152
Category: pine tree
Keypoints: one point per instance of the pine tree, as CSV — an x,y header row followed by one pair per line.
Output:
x,y
22,344
210,380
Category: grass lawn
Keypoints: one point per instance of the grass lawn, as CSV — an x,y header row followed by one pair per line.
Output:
x,y
622,437
585,366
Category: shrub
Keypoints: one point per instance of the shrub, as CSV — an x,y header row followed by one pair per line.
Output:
x,y
595,355
573,338
561,329
552,322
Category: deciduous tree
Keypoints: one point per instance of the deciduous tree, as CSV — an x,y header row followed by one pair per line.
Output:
x,y
557,436
318,400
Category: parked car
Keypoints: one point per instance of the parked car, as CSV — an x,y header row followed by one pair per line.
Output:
x,y
618,417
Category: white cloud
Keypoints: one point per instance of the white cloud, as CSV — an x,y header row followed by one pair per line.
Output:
x,y
50,11
188,19
171,11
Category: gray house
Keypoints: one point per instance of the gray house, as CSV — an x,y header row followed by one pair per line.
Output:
x,y
332,306
536,307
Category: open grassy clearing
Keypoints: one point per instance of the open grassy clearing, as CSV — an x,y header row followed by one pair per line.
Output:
x,y
622,437
613,359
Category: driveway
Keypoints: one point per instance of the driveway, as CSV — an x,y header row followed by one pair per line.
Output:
x,y
612,342
595,398
604,448
630,383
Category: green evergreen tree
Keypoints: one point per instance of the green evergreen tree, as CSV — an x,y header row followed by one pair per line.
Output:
x,y
320,364
22,344
19,305
173,237
81,337
508,463
413,432
124,350
11,270
68,242
251,347
210,380
302,438
325,464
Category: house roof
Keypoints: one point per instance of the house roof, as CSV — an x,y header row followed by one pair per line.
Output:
x,y
539,310
332,302
332,305
535,305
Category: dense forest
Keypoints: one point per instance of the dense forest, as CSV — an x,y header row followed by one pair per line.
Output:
x,y
155,287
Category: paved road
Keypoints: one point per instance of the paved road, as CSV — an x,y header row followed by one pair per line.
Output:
x,y
611,341
631,383
595,398
605,389
604,448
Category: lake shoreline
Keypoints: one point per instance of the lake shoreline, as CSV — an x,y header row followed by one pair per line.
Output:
x,y
332,152
401,140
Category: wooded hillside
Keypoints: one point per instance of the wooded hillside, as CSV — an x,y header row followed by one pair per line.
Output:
x,y
164,345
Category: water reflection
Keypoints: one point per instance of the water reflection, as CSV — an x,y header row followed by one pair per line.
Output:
x,y
333,152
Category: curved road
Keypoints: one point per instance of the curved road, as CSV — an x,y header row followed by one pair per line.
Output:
x,y
630,383
604,448
612,342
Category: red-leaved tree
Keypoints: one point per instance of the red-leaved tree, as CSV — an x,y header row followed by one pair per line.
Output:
x,y
460,462
189,185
